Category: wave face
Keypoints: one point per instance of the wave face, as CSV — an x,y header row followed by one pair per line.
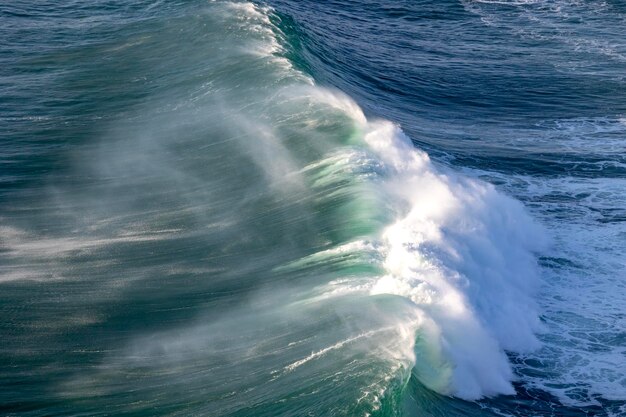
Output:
x,y
194,221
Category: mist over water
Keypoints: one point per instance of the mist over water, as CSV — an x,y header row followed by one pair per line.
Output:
x,y
196,218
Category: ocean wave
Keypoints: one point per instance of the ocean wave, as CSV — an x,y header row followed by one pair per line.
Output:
x,y
310,256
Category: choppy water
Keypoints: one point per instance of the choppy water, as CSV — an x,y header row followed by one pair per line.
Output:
x,y
313,208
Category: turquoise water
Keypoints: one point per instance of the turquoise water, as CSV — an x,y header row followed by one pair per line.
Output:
x,y
250,209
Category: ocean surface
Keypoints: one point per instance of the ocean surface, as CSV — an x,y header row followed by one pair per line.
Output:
x,y
313,208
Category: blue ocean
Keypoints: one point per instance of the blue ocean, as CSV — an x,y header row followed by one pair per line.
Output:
x,y
313,208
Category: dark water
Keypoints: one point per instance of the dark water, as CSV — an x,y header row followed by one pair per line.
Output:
x,y
197,218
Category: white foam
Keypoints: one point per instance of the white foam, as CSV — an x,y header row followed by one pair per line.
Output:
x,y
463,253
583,293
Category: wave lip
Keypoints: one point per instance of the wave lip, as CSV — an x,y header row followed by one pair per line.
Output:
x,y
460,251
464,254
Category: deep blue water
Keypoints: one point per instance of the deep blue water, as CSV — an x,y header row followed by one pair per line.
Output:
x,y
293,208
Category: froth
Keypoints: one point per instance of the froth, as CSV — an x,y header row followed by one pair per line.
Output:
x,y
463,253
